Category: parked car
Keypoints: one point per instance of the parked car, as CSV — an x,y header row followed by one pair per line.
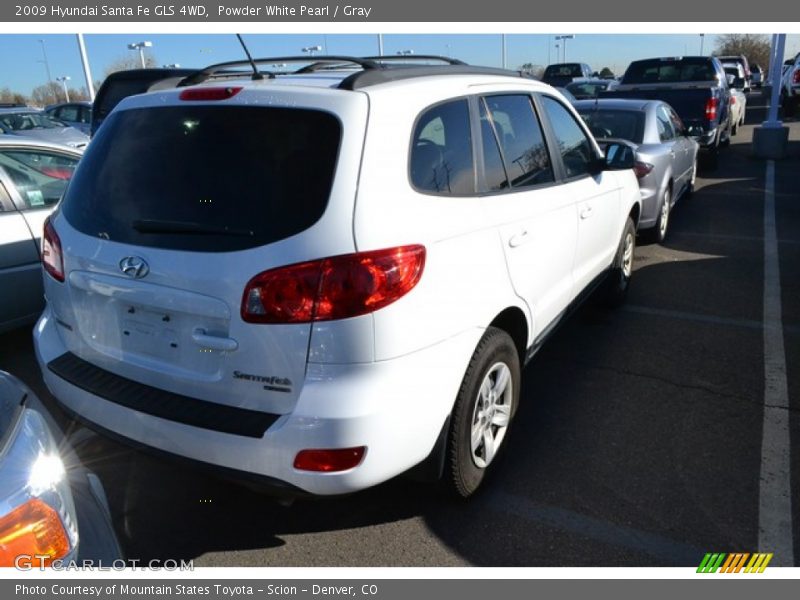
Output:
x,y
560,74
38,125
756,75
33,176
567,94
74,114
52,508
121,84
742,60
790,87
583,89
277,277
697,89
738,98
666,157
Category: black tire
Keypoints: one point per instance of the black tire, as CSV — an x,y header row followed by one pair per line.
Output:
x,y
463,475
615,288
659,233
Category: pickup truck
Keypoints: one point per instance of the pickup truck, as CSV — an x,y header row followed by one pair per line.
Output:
x,y
790,87
696,87
560,74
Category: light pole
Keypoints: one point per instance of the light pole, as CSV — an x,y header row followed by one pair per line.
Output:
x,y
63,81
140,46
702,38
565,38
380,44
558,52
311,49
46,62
504,54
87,73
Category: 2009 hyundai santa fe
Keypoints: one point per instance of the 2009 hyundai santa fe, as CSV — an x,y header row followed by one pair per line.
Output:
x,y
326,278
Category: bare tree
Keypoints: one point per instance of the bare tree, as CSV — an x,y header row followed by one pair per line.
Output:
x,y
8,96
130,61
532,69
755,47
48,93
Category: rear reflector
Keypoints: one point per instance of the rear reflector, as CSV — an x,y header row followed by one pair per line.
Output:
x,y
52,257
329,461
333,288
32,530
210,93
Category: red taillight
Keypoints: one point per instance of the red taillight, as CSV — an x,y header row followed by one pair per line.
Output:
x,y
57,172
642,168
711,109
52,257
328,461
210,93
333,288
796,76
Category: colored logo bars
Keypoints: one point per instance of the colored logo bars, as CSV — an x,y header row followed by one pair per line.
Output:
x,y
733,563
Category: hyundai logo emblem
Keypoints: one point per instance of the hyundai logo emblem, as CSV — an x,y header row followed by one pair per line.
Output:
x,y
134,266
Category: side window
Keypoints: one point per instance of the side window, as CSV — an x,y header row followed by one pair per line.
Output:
x,y
677,124
576,149
68,113
494,171
441,151
521,140
5,199
39,177
86,115
665,130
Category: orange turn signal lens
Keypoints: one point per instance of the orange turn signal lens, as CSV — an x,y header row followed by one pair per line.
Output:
x,y
33,529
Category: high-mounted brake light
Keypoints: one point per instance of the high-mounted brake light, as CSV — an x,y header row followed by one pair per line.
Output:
x,y
711,109
333,288
209,93
52,257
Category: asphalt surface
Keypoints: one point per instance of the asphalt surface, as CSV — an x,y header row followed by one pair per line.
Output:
x,y
637,441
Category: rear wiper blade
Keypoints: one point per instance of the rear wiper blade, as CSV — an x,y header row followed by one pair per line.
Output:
x,y
187,227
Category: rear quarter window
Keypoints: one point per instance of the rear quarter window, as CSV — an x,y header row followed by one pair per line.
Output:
x,y
205,178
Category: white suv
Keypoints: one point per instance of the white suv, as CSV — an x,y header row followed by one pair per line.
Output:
x,y
324,279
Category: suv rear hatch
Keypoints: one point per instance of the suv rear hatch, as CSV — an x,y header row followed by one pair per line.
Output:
x,y
174,209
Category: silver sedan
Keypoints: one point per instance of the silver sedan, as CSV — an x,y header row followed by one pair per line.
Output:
x,y
666,155
33,175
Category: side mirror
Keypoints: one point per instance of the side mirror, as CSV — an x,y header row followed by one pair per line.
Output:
x,y
619,157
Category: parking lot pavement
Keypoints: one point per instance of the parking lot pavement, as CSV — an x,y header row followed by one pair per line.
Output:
x,y
638,439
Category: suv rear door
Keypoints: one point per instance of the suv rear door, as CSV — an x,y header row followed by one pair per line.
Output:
x,y
536,217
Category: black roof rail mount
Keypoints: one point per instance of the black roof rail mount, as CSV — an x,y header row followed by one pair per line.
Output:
x,y
223,69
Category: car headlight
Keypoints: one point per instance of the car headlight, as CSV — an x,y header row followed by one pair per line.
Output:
x,y
37,513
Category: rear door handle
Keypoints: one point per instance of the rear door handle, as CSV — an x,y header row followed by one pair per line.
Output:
x,y
519,239
586,212
213,342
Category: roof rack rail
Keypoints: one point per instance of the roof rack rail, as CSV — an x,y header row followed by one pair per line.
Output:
x,y
385,75
223,69
409,58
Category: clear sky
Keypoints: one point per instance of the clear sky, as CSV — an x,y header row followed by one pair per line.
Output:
x,y
22,59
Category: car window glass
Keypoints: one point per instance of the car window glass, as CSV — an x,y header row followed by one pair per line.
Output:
x,y
576,149
677,124
521,140
441,152
494,171
39,177
5,200
665,130
86,115
68,113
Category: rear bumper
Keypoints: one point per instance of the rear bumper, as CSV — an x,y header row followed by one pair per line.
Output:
x,y
395,408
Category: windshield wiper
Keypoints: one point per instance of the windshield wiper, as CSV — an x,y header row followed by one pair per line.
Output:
x,y
189,228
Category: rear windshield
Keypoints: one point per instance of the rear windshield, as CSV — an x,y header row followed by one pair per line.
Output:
x,y
564,70
670,71
205,178
609,123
